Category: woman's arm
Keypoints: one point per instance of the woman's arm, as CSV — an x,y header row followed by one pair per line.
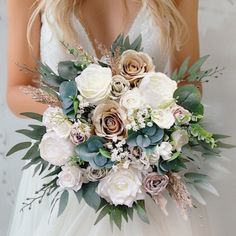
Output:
x,y
19,53
189,10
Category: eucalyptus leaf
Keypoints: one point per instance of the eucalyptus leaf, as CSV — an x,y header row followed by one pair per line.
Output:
x,y
188,96
79,195
63,202
67,70
90,196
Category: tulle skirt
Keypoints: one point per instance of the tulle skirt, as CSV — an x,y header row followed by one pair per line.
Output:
x,y
78,219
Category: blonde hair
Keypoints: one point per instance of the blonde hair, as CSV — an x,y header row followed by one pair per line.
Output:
x,y
173,28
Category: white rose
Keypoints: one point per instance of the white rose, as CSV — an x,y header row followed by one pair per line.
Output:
x,y
164,150
132,99
121,187
157,89
55,120
54,149
180,138
94,83
70,178
164,118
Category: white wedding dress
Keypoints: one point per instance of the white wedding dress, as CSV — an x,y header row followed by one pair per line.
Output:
x,y
78,220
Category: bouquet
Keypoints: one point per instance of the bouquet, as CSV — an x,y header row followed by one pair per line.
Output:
x,y
117,131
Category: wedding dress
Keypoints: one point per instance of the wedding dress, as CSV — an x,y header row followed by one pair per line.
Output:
x,y
78,220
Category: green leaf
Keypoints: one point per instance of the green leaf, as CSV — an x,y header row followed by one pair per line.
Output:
x,y
115,215
195,177
140,208
207,187
33,134
32,152
104,152
225,145
79,195
63,202
32,162
90,196
105,211
183,68
195,194
37,169
19,147
220,136
67,70
197,66
33,116
174,156
188,96
174,76
130,212
55,172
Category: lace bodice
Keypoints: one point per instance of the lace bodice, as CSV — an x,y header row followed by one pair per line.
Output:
x,y
52,52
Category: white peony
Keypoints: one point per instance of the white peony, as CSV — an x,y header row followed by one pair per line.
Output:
x,y
164,118
132,99
54,149
55,120
164,150
157,89
70,178
121,187
180,138
94,83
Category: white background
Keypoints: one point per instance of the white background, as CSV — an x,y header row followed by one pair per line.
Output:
x,y
217,20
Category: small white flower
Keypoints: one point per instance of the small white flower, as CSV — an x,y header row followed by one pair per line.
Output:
x,y
55,150
163,118
70,178
157,88
180,138
121,187
94,83
164,150
132,99
55,120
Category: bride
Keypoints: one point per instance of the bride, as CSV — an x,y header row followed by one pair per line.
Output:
x,y
36,28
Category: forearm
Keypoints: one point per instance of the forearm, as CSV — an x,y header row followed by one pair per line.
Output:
x,y
19,102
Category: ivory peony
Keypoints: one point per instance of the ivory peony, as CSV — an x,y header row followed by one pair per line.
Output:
x,y
55,150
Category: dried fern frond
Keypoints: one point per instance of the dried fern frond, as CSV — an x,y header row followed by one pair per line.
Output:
x,y
178,191
112,59
41,96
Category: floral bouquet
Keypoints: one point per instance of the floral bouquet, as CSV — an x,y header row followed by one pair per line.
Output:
x,y
117,132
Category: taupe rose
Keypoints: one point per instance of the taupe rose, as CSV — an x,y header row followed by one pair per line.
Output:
x,y
119,87
154,183
109,120
134,66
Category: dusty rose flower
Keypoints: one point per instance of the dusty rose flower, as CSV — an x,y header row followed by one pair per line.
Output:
x,y
134,66
109,120
154,183
181,115
119,87
79,133
95,175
